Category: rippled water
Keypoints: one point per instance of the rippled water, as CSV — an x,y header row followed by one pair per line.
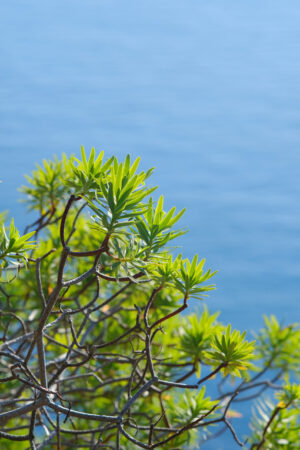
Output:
x,y
208,92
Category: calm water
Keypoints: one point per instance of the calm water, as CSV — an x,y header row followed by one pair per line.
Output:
x,y
208,92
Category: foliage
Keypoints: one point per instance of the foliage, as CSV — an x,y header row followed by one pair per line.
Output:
x,y
95,351
232,351
277,425
279,345
13,246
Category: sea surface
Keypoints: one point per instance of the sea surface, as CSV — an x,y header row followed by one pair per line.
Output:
x,y
207,92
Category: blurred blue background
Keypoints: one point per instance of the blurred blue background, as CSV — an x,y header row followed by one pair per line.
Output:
x,y
208,92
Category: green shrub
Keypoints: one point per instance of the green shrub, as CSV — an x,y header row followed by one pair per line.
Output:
x,y
95,351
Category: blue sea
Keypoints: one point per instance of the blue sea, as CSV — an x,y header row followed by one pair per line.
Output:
x,y
207,92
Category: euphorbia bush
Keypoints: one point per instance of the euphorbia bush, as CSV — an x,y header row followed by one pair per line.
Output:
x,y
95,349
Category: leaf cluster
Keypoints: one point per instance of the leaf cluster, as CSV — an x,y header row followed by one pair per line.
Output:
x,y
279,345
46,186
232,351
13,247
